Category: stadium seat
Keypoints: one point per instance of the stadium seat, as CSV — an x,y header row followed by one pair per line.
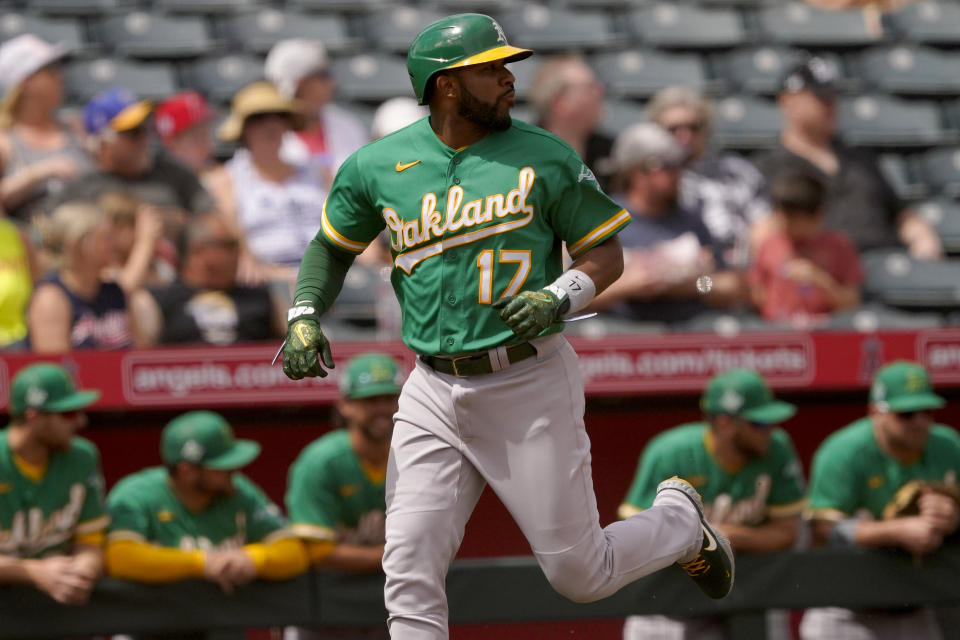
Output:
x,y
929,22
219,78
371,77
897,170
80,7
941,169
686,27
726,323
544,28
620,114
152,35
896,279
760,70
67,31
393,29
205,7
944,215
795,23
257,31
640,74
86,78
357,302
461,6
606,325
910,70
746,122
342,6
878,120
873,316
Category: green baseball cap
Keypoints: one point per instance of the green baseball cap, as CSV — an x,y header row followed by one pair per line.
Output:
x,y
904,386
371,374
743,393
205,438
47,387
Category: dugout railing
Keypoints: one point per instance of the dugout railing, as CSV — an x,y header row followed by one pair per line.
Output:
x,y
495,591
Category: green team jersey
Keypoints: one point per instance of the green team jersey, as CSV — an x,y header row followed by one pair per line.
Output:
x,y
144,508
329,492
39,518
851,474
469,226
769,486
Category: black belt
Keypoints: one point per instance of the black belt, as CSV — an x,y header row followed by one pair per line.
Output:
x,y
476,364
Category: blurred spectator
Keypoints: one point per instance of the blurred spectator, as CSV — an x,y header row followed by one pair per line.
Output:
x,y
119,134
860,202
886,480
183,124
38,154
300,69
74,307
745,468
205,304
143,256
197,516
804,272
667,247
16,282
567,100
275,205
395,114
725,188
335,496
52,513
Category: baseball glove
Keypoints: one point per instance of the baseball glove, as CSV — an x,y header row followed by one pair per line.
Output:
x,y
906,502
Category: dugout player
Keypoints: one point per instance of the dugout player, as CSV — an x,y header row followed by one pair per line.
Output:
x,y
477,206
197,516
52,514
743,465
887,480
335,493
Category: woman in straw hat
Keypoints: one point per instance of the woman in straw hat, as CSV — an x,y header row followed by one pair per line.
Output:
x,y
276,206
38,154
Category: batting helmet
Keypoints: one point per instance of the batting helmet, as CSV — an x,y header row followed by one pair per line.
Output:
x,y
457,41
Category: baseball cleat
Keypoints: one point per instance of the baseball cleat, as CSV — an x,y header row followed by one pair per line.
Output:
x,y
712,569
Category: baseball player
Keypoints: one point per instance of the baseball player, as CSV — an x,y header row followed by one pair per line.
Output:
x,y
743,465
886,480
197,516
335,494
477,206
52,514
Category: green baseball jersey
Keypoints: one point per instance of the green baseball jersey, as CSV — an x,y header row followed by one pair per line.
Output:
x,y
329,492
851,474
42,517
468,226
766,486
144,508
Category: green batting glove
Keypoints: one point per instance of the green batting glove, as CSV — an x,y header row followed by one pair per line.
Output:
x,y
529,313
304,342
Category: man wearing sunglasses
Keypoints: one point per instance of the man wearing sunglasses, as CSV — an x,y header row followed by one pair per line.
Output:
x,y
745,468
887,480
52,513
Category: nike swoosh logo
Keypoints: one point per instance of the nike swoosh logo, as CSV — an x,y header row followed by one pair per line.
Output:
x,y
711,541
403,167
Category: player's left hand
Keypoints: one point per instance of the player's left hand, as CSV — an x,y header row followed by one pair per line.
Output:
x,y
529,312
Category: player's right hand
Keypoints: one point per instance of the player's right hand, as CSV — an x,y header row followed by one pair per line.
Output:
x,y
305,341
56,577
919,535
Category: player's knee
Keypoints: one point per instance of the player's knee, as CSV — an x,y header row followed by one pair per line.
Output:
x,y
575,579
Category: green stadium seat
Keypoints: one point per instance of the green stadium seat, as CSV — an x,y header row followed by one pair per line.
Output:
x,y
873,316
680,26
896,279
64,30
394,28
86,78
152,35
746,122
220,77
371,77
797,24
258,30
543,28
929,22
620,114
944,215
640,74
941,169
910,70
205,7
80,7
898,172
878,120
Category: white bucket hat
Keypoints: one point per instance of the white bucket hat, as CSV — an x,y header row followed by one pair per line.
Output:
x,y
290,61
24,55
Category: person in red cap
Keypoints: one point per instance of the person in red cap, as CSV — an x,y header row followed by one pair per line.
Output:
x,y
183,124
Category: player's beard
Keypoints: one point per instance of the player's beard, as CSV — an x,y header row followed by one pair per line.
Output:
x,y
482,113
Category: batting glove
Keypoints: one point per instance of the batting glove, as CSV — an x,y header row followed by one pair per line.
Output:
x,y
529,313
305,341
